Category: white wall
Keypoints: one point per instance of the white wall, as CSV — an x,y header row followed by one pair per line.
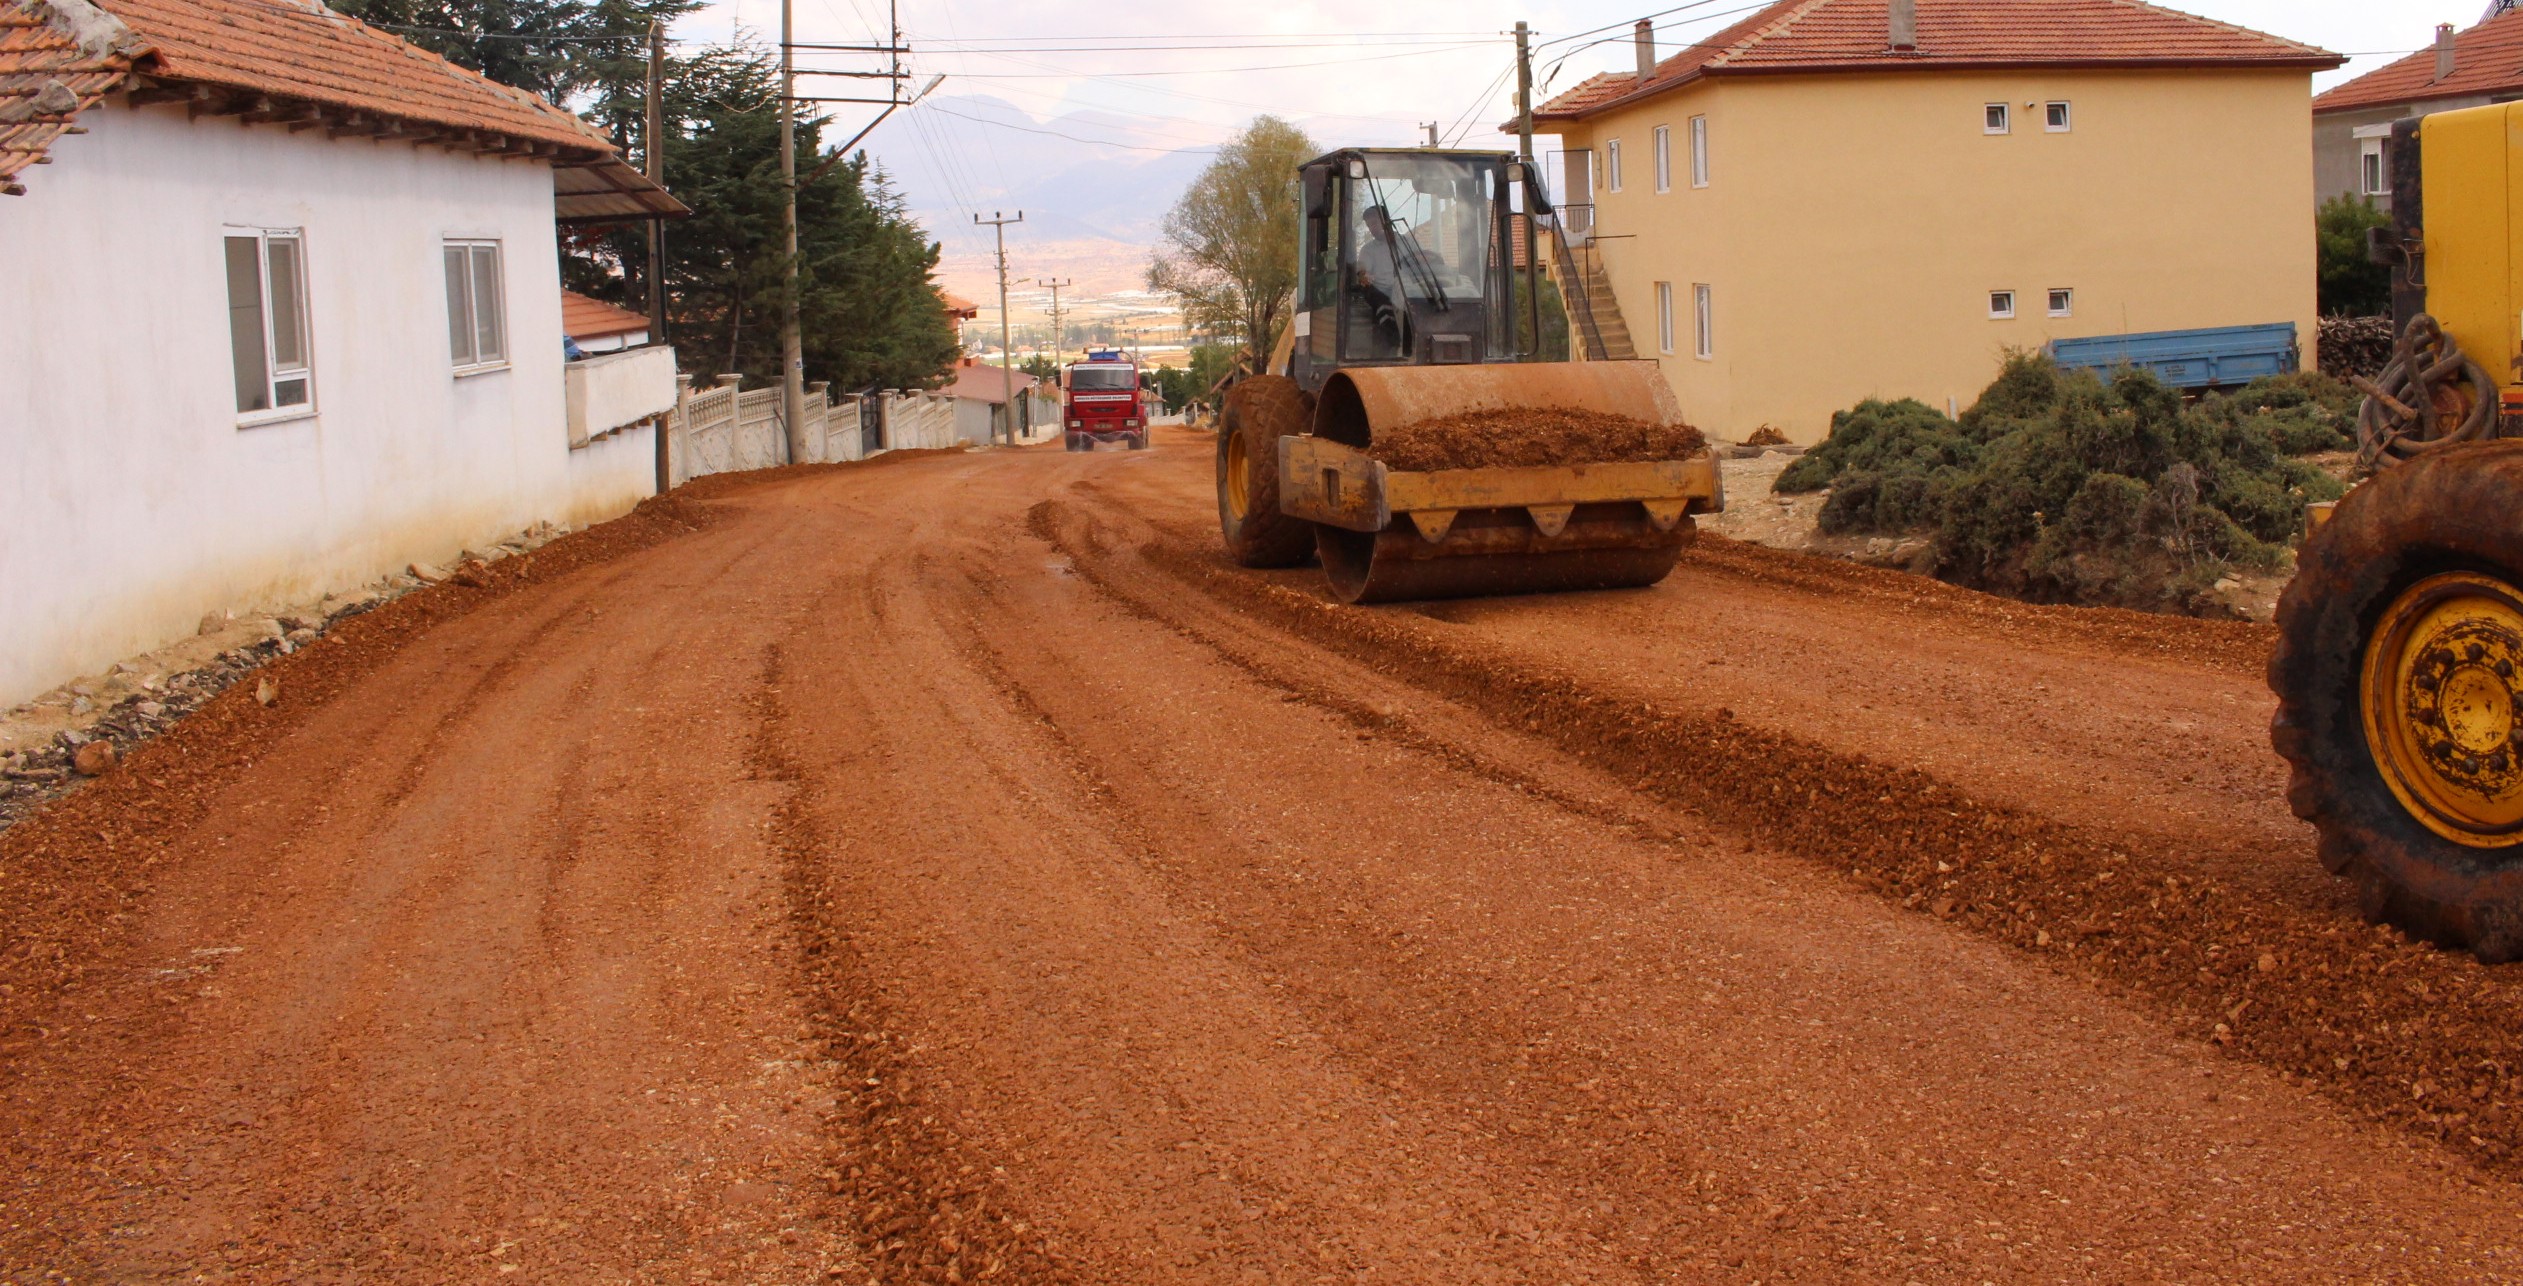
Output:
x,y
609,391
131,502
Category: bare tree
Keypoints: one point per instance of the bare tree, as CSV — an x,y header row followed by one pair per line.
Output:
x,y
1229,250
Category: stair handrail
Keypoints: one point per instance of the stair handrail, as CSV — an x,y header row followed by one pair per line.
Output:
x,y
1576,293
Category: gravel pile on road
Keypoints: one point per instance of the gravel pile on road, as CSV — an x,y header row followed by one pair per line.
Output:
x,y
1527,437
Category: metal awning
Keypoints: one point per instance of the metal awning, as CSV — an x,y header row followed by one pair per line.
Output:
x,y
608,190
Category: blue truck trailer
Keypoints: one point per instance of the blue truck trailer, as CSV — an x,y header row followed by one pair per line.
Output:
x,y
2216,357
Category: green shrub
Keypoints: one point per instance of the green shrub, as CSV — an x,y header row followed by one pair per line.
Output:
x,y
2060,486
1880,437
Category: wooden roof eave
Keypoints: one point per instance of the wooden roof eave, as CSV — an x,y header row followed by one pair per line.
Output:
x,y
601,187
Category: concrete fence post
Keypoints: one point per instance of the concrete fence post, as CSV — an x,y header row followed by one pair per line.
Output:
x,y
819,417
670,434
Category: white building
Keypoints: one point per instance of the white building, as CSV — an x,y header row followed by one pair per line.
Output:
x,y
279,313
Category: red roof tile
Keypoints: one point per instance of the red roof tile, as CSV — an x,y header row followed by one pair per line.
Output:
x,y
297,53
1954,35
2487,59
584,318
303,50
47,79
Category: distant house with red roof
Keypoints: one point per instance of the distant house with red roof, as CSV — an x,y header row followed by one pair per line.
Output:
x,y
283,316
959,310
1830,200
598,327
2352,123
981,393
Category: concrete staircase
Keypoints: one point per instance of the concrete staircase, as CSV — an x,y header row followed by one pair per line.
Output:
x,y
1597,332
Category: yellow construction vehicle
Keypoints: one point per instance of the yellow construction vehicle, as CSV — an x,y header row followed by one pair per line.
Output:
x,y
2399,666
1406,312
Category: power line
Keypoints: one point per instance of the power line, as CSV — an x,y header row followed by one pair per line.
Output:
x,y
1152,89
1611,26
1661,47
1098,142
1462,126
989,144
961,47
1223,71
1363,36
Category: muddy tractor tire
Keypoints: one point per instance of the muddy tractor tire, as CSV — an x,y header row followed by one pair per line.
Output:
x,y
1260,411
2399,678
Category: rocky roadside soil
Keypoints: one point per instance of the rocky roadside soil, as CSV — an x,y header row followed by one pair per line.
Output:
x,y
79,730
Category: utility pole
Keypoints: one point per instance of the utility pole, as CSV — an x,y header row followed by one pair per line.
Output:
x,y
1532,185
655,159
1431,127
1059,338
792,338
1007,356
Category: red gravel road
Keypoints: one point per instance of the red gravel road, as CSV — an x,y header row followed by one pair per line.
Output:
x,y
946,870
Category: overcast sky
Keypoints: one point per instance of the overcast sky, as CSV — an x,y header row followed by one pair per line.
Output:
x,y
1352,72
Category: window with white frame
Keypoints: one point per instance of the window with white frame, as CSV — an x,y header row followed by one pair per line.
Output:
x,y
477,309
2370,168
1611,165
1703,323
267,321
1699,151
1999,120
1664,316
2001,305
2054,117
1664,158
2062,302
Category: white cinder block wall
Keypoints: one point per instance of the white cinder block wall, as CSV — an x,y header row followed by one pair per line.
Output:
x,y
131,502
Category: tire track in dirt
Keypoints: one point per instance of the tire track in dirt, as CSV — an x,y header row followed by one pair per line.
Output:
x,y
913,1188
1512,1125
2398,1031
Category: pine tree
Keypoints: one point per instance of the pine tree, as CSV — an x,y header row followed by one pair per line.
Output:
x,y
870,306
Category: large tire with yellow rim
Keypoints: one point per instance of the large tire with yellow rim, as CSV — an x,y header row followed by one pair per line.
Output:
x,y
1259,411
2399,678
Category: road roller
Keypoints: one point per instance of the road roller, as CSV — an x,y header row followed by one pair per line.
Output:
x,y
1405,312
2400,705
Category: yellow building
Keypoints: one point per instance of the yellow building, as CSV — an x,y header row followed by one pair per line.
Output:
x,y
1838,199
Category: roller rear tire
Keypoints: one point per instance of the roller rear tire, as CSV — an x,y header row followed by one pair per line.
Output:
x,y
2399,678
1260,411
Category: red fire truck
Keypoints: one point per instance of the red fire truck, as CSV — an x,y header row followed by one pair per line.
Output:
x,y
1102,403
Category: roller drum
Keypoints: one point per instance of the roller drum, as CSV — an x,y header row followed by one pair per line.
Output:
x,y
1495,551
